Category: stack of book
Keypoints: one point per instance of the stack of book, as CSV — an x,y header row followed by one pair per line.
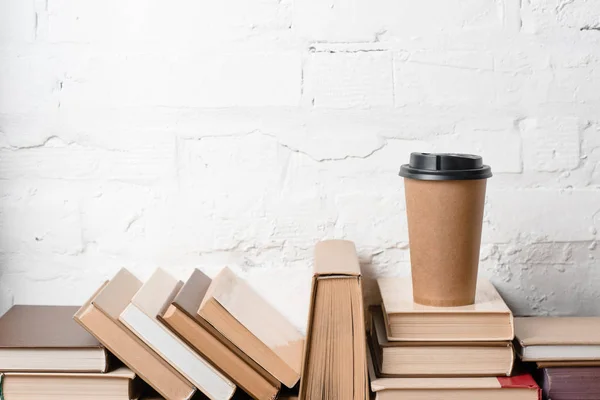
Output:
x,y
45,355
463,352
565,353
204,335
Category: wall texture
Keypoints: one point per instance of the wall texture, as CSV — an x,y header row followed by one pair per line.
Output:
x,y
184,134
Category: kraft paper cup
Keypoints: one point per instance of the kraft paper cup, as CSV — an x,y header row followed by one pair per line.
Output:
x,y
445,195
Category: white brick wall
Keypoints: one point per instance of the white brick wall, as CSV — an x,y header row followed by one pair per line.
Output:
x,y
190,134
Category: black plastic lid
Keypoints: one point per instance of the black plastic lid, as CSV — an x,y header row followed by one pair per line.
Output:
x,y
445,167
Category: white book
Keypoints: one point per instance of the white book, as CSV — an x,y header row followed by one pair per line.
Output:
x,y
140,317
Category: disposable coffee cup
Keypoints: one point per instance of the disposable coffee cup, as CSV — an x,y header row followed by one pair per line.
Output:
x,y
445,194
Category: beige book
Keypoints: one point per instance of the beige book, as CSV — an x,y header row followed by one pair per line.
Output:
x,y
558,338
335,365
489,319
115,385
246,319
520,387
46,339
437,358
100,317
182,318
140,316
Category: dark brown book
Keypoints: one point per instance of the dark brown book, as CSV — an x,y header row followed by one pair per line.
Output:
x,y
571,383
46,339
181,317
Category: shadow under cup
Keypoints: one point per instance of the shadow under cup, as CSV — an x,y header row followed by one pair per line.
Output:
x,y
445,195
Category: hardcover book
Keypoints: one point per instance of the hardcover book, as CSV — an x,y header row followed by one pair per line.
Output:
x,y
571,383
46,339
100,317
393,359
520,387
253,325
115,385
140,316
182,318
488,320
555,339
335,365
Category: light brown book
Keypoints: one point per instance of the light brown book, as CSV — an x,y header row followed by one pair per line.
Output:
x,y
46,339
558,338
246,319
437,358
520,387
100,317
335,365
140,316
115,385
182,318
489,319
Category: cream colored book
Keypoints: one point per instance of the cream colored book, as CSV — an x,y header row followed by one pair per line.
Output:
x,y
141,317
100,317
182,318
558,338
115,385
253,325
437,358
489,319
520,387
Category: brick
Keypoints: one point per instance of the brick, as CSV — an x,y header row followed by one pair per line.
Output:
x,y
386,225
539,214
362,20
17,21
496,140
445,79
37,217
545,15
113,217
152,24
57,160
349,80
24,86
550,289
218,80
551,144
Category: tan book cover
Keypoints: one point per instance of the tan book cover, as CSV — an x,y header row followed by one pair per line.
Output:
x,y
140,316
181,316
335,365
409,359
45,338
520,387
489,319
117,384
245,318
532,331
553,339
99,316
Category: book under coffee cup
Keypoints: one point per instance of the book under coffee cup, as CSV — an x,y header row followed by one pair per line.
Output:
x,y
445,195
